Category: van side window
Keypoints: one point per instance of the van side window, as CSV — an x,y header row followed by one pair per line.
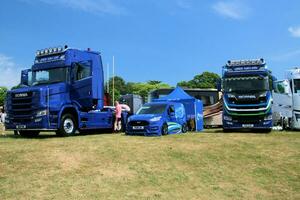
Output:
x,y
82,70
171,110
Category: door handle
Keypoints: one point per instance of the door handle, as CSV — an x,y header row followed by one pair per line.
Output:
x,y
89,92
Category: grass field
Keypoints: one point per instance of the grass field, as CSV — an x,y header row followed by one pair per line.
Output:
x,y
208,165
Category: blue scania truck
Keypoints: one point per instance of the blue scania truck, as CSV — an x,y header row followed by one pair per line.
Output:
x,y
62,92
247,95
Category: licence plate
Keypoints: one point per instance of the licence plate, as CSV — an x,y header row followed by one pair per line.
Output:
x,y
21,126
248,125
138,128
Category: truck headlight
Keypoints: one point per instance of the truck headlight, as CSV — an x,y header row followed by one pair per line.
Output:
x,y
268,117
227,118
41,113
155,119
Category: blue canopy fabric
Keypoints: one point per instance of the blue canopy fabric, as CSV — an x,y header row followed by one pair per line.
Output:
x,y
193,106
177,94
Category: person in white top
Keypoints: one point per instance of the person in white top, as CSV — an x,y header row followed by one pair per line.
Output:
x,y
2,120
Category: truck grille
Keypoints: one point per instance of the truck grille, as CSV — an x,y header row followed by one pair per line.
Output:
x,y
138,123
248,120
23,105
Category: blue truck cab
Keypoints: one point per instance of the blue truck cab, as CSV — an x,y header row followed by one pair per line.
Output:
x,y
247,97
158,118
63,92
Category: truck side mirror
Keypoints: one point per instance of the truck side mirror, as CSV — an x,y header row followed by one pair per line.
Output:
x,y
25,76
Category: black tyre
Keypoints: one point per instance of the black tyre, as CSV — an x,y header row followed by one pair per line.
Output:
x,y
184,128
226,130
29,134
268,130
68,126
164,129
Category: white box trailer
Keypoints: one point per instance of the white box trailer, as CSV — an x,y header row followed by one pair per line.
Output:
x,y
286,97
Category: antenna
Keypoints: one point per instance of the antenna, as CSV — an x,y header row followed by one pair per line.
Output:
x,y
113,83
107,76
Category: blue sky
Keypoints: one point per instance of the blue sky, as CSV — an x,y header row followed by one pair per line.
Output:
x,y
168,40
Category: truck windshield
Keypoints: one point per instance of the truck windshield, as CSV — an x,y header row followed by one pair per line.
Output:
x,y
152,109
246,84
297,85
49,76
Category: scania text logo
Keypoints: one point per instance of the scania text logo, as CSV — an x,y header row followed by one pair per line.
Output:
x,y
21,95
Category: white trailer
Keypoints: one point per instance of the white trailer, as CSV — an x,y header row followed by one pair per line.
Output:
x,y
286,97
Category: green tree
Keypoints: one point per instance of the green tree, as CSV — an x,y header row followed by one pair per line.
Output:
x,y
142,89
3,92
204,80
119,87
184,84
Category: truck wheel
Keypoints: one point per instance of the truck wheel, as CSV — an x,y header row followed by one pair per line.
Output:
x,y
268,130
226,130
67,126
164,129
184,128
29,134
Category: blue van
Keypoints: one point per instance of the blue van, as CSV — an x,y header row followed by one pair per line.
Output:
x,y
158,118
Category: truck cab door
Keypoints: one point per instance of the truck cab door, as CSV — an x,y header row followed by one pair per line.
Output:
x,y
282,98
81,85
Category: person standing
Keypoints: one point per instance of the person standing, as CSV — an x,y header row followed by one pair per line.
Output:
x,y
118,116
2,120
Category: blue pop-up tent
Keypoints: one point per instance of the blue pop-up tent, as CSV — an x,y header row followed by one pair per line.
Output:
x,y
193,106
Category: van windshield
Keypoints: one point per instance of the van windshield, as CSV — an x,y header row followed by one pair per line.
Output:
x,y
152,109
297,85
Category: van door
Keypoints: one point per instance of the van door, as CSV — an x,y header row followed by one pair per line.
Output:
x,y
81,85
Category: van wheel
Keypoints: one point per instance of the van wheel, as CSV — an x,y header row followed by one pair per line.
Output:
x,y
164,129
67,126
184,128
29,134
226,130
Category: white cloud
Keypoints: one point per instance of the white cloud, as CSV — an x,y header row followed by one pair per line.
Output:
x,y
10,73
90,6
294,31
233,9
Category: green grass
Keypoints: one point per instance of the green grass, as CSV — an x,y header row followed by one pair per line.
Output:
x,y
208,165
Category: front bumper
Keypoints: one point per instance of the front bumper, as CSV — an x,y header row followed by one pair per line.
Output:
x,y
262,124
35,123
150,130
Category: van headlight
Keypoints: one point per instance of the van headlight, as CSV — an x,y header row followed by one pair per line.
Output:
x,y
227,118
268,117
155,119
41,113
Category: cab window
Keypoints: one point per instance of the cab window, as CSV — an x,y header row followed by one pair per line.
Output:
x,y
82,70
